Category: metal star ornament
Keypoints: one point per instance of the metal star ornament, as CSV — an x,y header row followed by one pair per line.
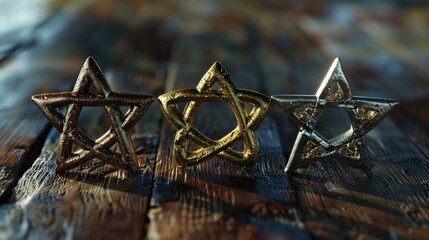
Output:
x,y
303,111
120,124
247,122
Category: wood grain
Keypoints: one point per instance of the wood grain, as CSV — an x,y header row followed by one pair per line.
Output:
x,y
11,162
219,200
93,204
22,128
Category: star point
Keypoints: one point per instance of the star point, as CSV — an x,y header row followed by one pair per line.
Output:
x,y
121,124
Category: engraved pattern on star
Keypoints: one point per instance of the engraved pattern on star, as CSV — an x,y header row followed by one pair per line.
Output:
x,y
303,111
120,124
208,148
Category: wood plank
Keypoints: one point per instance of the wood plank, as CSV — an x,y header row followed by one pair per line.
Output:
x,y
22,128
95,204
217,199
11,163
95,201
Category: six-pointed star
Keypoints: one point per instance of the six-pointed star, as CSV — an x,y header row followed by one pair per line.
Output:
x,y
90,73
209,148
304,111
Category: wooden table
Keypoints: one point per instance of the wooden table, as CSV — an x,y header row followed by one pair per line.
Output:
x,y
273,47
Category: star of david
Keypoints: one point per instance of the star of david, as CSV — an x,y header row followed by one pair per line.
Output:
x,y
349,147
120,124
208,148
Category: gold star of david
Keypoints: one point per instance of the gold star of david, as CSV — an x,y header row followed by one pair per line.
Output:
x,y
349,147
120,124
209,148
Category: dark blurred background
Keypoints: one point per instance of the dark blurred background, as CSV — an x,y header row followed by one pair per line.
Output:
x,y
273,47
277,46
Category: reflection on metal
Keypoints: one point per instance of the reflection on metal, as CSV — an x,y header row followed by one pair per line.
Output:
x,y
207,147
349,147
120,124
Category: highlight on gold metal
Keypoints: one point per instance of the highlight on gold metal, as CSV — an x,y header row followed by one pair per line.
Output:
x,y
349,147
120,124
208,148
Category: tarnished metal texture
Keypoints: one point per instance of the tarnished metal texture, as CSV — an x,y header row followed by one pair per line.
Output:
x,y
303,111
120,124
208,148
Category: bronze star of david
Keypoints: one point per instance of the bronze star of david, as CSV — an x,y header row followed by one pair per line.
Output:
x,y
103,96
209,148
349,147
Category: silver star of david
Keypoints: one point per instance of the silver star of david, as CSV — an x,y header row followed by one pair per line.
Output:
x,y
303,111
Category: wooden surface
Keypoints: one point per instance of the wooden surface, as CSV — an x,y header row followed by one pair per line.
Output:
x,y
273,47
